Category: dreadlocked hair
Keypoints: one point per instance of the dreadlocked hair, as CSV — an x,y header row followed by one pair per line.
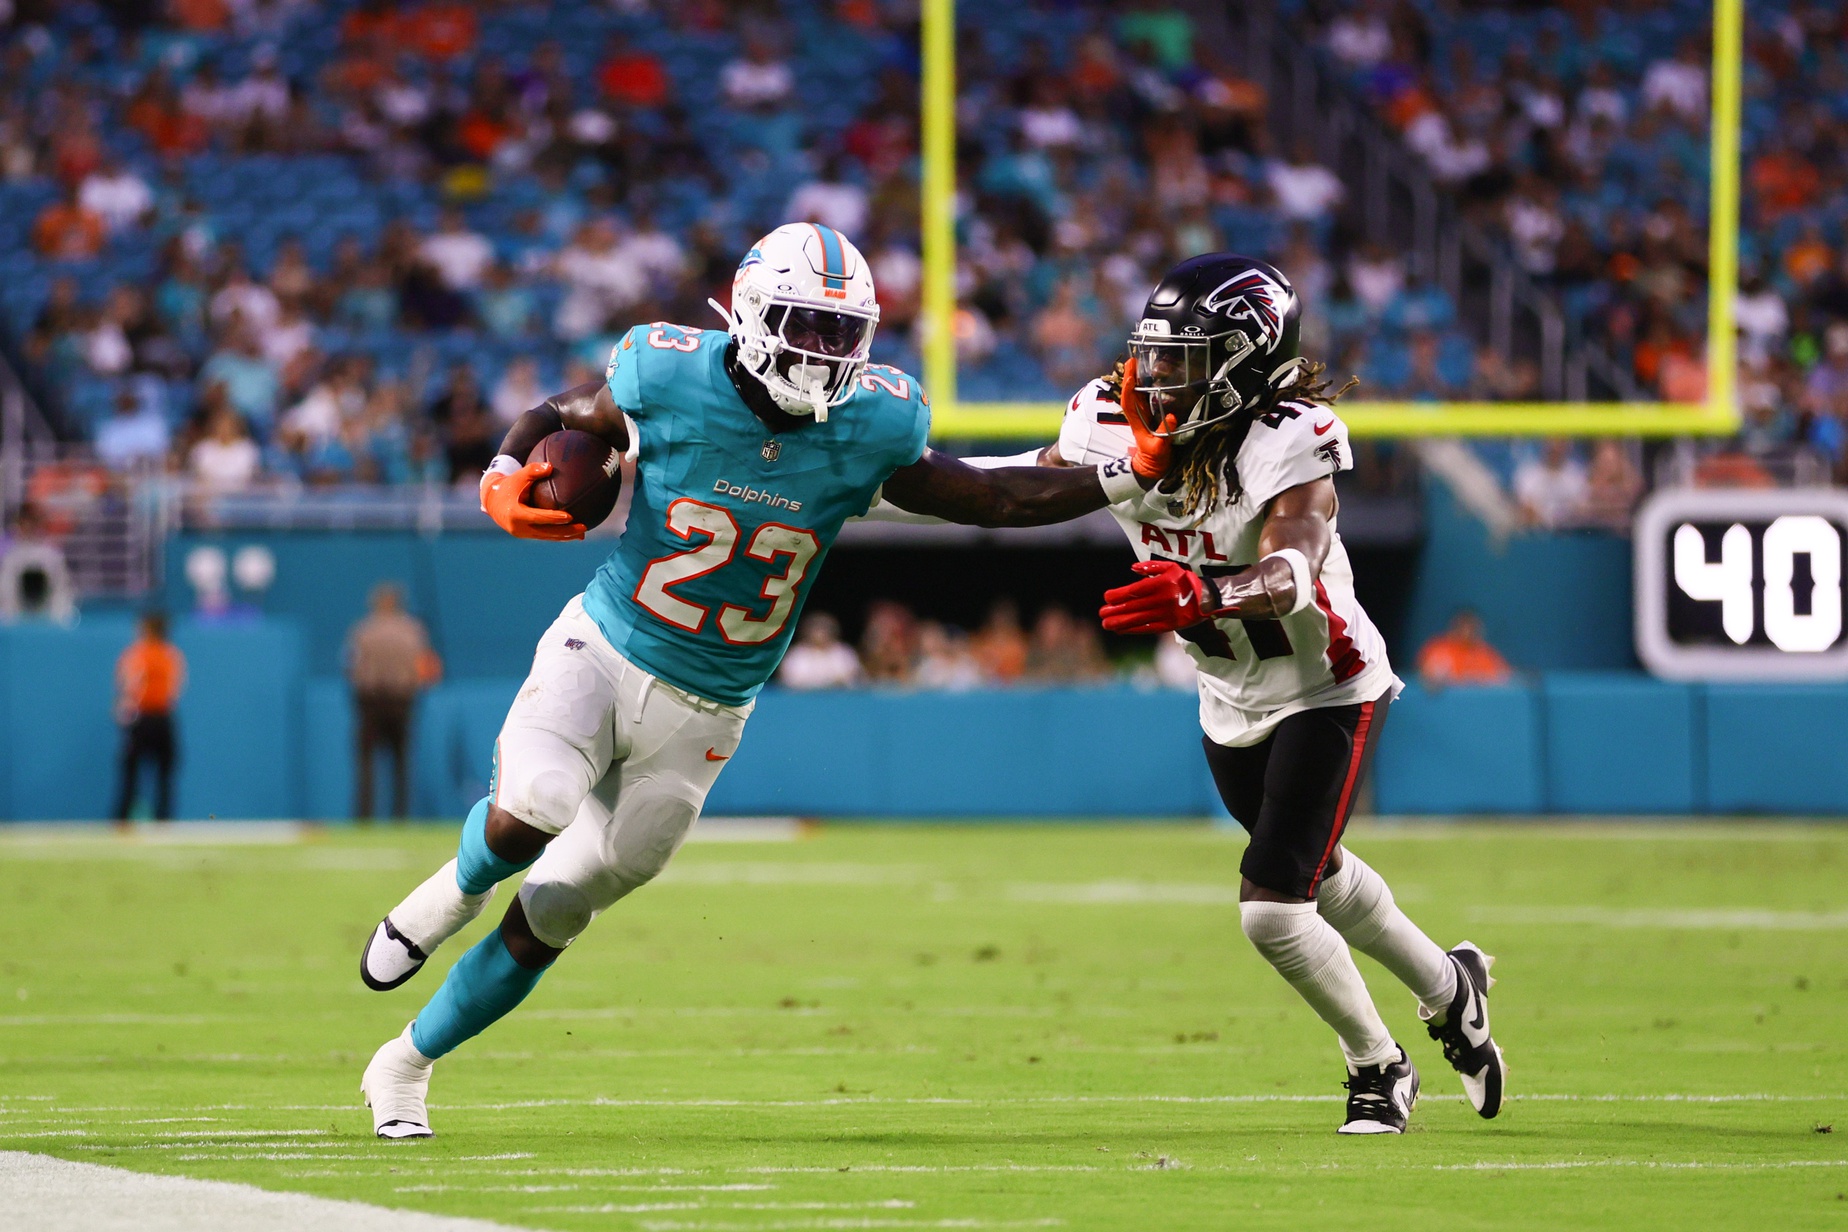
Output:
x,y
1205,467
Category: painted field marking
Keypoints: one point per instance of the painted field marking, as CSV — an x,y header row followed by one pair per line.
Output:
x,y
60,1194
1745,918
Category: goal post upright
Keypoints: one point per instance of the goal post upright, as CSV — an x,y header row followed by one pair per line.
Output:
x,y
1718,415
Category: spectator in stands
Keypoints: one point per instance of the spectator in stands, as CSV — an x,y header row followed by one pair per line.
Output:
x,y
459,256
1426,379
1066,337
1376,277
655,252
888,645
1359,36
225,459
245,297
336,399
437,29
1678,86
518,390
471,438
134,436
944,659
819,659
116,195
631,77
1000,645
1460,655
249,379
291,278
600,281
1826,390
150,676
368,304
1613,487
1305,190
1552,489
760,80
388,662
106,348
832,199
290,338
1065,650
505,307
67,230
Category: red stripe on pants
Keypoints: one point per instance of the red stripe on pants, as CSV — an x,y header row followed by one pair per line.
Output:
x,y
1361,731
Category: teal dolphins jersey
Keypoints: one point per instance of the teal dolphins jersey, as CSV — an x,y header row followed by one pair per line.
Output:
x,y
729,523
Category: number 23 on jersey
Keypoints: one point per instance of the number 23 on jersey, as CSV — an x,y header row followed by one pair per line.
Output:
x,y
688,518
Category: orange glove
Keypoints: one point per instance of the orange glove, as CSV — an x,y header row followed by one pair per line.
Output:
x,y
504,498
1153,454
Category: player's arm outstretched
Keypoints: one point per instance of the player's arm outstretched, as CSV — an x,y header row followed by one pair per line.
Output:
x,y
1294,543
584,408
941,486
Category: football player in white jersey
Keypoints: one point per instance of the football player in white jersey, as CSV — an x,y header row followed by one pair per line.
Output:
x,y
1240,557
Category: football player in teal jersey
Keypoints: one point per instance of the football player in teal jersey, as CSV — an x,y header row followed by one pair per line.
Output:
x,y
752,446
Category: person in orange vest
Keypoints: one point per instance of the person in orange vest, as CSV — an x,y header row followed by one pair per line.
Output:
x,y
1461,655
149,677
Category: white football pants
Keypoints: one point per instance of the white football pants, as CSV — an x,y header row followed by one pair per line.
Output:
x,y
610,759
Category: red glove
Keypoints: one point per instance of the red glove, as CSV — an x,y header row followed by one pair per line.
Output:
x,y
504,497
1166,597
1153,453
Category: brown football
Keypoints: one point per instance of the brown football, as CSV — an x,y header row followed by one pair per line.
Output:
x,y
586,476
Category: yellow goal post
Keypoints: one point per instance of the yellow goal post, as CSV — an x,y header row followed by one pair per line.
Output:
x,y
1718,415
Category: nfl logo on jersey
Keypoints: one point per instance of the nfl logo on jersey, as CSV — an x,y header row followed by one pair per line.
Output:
x,y
772,450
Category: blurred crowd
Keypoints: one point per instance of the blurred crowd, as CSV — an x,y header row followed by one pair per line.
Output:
x,y
1579,132
263,238
897,648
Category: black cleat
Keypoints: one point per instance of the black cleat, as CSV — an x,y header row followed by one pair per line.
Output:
x,y
1463,1031
1381,1097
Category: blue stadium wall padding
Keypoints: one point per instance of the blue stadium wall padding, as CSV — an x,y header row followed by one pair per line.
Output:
x,y
263,737
1103,752
1618,743
1517,589
239,720
1777,749
1475,750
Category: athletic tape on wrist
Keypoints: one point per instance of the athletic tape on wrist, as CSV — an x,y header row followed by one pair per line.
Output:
x,y
1119,481
503,464
1299,574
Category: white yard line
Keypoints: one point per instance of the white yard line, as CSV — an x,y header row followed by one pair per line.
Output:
x,y
1743,918
69,1197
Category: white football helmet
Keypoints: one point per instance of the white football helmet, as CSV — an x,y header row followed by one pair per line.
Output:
x,y
803,314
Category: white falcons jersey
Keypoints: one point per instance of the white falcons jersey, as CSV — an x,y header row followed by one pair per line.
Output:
x,y
1252,672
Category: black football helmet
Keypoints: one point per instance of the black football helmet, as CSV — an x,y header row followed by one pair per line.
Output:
x,y
1218,333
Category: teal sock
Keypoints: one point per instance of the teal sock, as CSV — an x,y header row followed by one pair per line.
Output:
x,y
478,869
482,988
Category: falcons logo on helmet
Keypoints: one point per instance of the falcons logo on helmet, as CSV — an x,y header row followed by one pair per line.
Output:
x,y
1256,297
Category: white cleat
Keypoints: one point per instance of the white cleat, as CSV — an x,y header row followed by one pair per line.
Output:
x,y
429,915
394,1086
1462,1030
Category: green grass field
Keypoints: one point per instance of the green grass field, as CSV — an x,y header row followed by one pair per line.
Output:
x,y
956,1027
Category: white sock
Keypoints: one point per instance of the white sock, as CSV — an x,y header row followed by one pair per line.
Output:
x,y
438,909
1311,955
1358,903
